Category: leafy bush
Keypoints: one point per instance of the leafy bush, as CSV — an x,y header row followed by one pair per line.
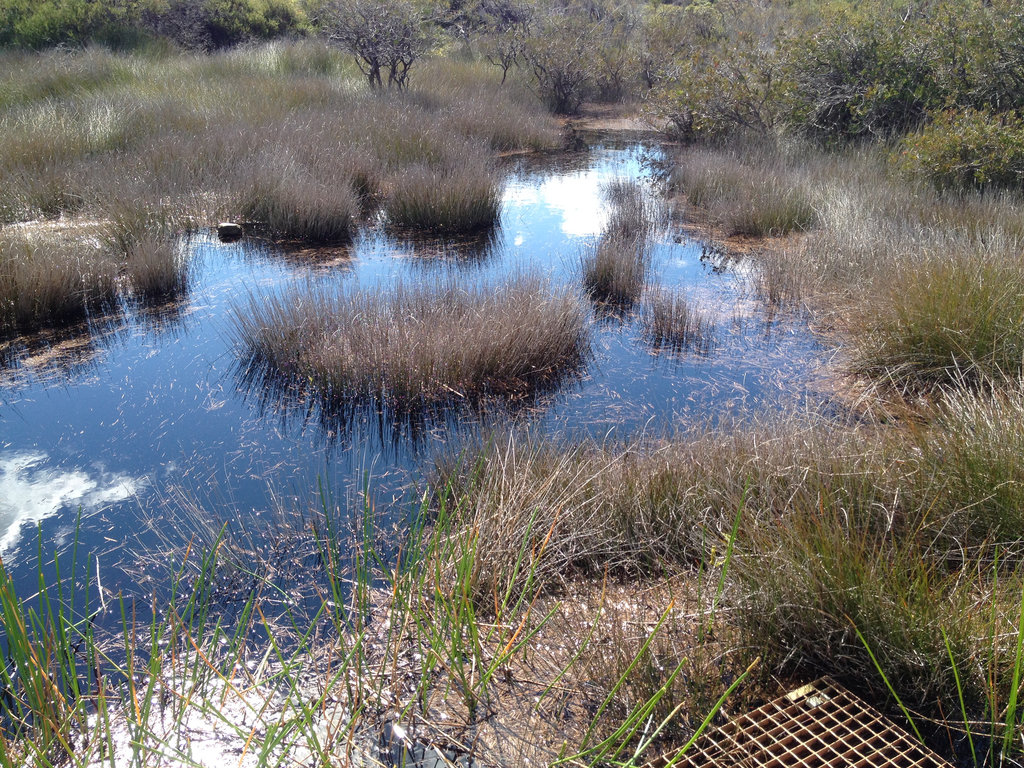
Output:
x,y
28,24
964,149
212,24
859,78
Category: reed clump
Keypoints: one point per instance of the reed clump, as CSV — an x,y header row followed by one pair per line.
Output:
x,y
459,197
415,344
670,321
748,192
290,203
616,269
50,280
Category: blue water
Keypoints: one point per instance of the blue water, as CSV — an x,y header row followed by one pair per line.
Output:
x,y
149,414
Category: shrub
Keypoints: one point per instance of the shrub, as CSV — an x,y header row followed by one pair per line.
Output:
x,y
561,57
384,36
213,24
861,77
967,149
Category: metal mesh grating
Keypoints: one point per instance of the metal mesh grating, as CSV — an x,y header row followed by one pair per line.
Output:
x,y
818,725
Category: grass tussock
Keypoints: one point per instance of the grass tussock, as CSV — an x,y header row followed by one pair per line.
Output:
x,y
616,269
924,284
48,280
956,321
849,551
748,193
157,267
458,198
669,321
291,204
418,344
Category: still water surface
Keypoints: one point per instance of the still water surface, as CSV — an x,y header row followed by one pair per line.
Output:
x,y
154,409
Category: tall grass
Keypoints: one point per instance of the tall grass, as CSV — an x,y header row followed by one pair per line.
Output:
x,y
464,196
616,269
284,135
51,280
415,345
748,193
858,549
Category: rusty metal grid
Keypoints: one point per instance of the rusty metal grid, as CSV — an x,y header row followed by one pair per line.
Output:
x,y
818,725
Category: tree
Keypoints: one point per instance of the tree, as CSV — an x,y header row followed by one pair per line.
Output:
x,y
384,37
507,28
561,55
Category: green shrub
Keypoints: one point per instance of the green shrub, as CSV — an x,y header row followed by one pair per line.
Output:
x,y
964,149
861,77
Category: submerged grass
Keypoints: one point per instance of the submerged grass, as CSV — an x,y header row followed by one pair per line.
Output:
x,y
415,345
670,321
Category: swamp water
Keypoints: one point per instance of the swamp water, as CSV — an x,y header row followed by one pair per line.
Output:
x,y
152,414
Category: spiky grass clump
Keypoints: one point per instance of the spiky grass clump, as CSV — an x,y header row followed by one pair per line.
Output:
x,y
157,267
51,280
747,195
949,322
616,269
290,203
670,321
456,198
414,345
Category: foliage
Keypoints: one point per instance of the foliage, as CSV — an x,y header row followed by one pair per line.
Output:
x,y
561,58
197,24
861,78
214,24
965,149
384,36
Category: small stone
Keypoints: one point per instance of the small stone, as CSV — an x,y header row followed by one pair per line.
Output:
x,y
228,231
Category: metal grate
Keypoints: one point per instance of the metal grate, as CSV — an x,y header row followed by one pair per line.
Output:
x,y
818,725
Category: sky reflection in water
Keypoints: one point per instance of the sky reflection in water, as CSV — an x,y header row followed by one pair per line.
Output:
x,y
125,424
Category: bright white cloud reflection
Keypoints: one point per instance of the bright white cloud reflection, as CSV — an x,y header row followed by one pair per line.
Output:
x,y
30,492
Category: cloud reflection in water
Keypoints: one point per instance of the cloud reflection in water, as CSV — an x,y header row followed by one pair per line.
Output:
x,y
31,491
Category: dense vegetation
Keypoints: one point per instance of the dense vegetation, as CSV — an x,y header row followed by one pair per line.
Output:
x,y
875,148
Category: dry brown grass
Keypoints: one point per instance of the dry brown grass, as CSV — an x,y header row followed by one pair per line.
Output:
x,y
416,345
